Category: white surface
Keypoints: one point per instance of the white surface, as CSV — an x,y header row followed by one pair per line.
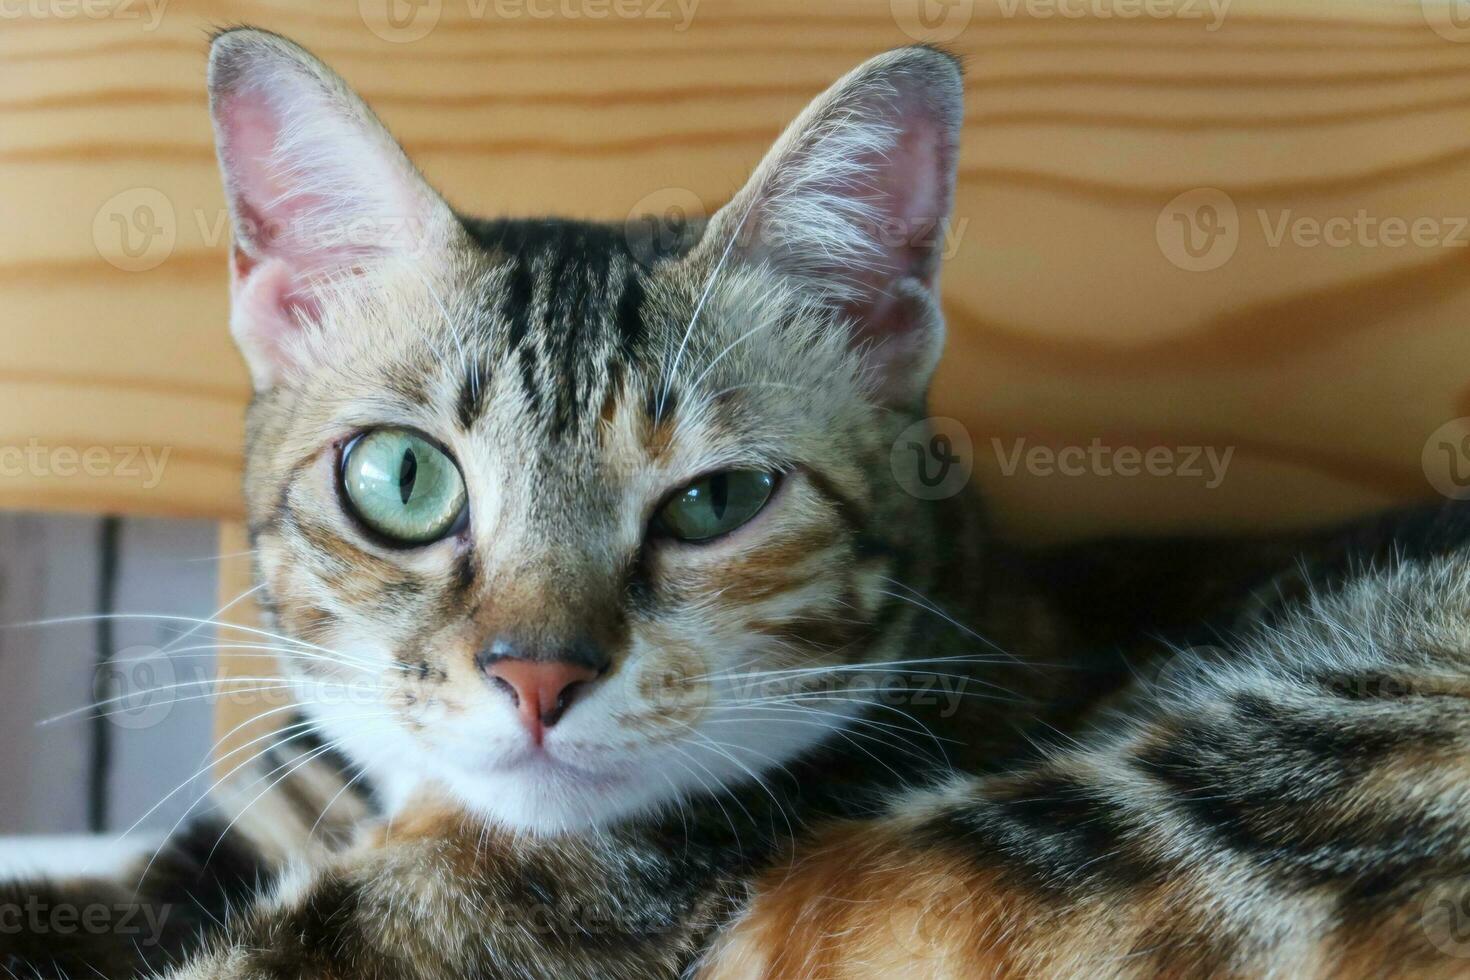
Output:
x,y
62,855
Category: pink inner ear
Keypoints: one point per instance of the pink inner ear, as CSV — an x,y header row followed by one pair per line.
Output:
x,y
911,198
273,208
284,238
909,192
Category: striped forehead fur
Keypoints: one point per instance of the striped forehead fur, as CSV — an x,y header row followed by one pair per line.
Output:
x,y
579,378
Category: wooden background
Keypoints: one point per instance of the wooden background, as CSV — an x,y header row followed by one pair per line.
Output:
x,y
1326,368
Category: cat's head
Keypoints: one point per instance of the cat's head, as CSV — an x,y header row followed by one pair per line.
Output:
x,y
559,523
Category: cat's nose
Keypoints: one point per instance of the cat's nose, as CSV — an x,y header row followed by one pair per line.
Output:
x,y
540,690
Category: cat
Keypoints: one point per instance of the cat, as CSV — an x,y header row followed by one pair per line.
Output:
x,y
586,555
575,535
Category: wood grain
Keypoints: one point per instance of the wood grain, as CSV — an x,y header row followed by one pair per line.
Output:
x,y
1324,368
245,711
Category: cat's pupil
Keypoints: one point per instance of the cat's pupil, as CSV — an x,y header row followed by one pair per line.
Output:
x,y
719,494
408,470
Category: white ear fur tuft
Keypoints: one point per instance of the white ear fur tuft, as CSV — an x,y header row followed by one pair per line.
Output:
x,y
316,187
852,203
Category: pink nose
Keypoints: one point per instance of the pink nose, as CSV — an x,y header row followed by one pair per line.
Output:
x,y
540,690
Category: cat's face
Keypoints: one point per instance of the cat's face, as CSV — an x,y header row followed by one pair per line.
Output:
x,y
560,526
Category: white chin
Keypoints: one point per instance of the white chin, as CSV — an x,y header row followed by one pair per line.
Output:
x,y
545,799
544,795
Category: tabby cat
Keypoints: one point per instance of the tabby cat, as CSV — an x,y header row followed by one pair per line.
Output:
x,y
631,657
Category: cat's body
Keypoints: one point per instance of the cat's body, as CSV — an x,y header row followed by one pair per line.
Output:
x,y
591,562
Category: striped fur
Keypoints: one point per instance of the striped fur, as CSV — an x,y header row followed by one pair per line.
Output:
x,y
814,753
1290,804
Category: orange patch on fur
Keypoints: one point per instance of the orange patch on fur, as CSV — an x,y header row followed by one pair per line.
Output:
x,y
658,435
779,567
864,903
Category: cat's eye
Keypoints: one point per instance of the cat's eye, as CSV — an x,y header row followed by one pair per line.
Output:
x,y
402,486
715,504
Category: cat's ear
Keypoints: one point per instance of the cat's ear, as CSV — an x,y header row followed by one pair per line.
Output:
x,y
853,201
317,190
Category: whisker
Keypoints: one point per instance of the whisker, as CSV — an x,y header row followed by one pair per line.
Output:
x,y
212,762
208,793
276,682
713,794
919,600
330,803
309,757
169,617
218,650
214,615
867,665
723,748
699,305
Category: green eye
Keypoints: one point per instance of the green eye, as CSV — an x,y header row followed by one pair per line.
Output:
x,y
716,504
403,486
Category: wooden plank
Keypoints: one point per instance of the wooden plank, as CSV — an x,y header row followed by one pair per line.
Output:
x,y
1323,367
241,720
